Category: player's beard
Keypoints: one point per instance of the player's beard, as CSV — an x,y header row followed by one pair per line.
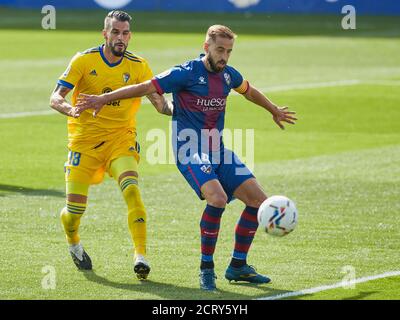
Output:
x,y
213,65
115,51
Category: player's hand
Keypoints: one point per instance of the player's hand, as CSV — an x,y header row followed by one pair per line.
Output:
x,y
73,113
281,114
89,101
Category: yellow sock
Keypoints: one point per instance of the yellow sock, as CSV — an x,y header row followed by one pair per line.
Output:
x,y
136,213
72,213
70,219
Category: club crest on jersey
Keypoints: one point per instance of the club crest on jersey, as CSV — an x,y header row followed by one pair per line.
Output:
x,y
93,72
206,169
227,78
126,77
202,80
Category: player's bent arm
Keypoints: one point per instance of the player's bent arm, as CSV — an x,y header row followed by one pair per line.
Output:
x,y
161,104
58,102
279,114
257,97
87,101
132,91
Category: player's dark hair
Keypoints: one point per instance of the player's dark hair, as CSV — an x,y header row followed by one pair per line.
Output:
x,y
118,15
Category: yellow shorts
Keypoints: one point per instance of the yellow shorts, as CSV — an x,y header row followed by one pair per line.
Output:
x,y
88,162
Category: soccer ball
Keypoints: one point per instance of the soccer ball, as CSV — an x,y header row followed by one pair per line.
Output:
x,y
277,216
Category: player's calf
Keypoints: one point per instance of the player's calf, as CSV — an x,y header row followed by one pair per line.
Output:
x,y
137,219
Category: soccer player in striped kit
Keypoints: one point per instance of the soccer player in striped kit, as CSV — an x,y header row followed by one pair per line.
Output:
x,y
200,88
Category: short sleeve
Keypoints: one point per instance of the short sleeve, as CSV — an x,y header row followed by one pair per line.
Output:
x,y
239,84
73,73
171,80
147,73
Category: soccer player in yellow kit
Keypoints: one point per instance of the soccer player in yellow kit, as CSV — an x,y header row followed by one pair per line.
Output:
x,y
107,142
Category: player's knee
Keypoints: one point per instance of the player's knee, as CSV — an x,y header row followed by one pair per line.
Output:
x,y
218,199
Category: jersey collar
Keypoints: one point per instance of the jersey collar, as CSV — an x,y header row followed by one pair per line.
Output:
x,y
105,59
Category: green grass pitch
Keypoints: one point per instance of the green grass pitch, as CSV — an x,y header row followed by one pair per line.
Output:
x,y
340,163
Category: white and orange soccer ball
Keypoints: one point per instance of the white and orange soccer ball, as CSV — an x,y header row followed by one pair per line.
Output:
x,y
277,216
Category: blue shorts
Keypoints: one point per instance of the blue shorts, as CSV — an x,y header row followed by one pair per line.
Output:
x,y
231,174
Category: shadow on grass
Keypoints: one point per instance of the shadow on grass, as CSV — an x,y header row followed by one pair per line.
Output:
x,y
361,295
30,191
170,291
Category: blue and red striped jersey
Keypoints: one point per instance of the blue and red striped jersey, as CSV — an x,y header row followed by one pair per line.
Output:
x,y
199,100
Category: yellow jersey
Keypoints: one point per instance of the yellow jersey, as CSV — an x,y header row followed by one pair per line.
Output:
x,y
91,73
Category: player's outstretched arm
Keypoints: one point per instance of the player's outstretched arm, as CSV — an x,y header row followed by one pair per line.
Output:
x,y
279,114
161,104
58,102
88,101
